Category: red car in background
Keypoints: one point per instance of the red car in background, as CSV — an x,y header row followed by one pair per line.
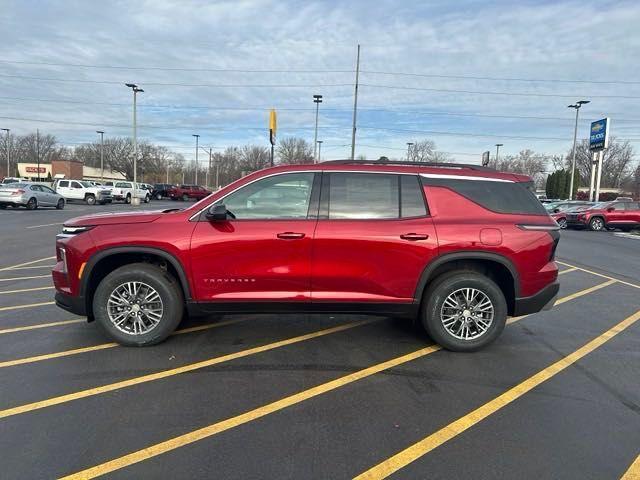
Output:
x,y
624,215
188,192
559,210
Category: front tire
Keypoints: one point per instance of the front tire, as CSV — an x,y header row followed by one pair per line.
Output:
x,y
60,204
464,311
596,224
147,198
562,223
158,196
90,200
185,197
138,304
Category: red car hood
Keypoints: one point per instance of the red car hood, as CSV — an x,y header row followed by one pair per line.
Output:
x,y
114,218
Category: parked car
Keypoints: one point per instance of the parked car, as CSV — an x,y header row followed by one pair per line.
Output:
x,y
161,190
148,187
7,180
82,190
188,192
29,195
458,247
124,191
558,210
624,215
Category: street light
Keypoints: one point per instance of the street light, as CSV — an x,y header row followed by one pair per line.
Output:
x,y
7,130
319,142
498,145
197,137
101,155
135,89
577,106
409,145
317,99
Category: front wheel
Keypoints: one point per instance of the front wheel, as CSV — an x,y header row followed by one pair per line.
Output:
x,y
185,197
147,198
464,311
91,200
138,304
60,204
158,196
562,223
596,224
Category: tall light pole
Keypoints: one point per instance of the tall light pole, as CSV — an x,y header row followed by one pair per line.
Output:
x,y
135,89
101,154
38,151
317,99
197,137
355,107
409,145
577,106
498,145
319,142
8,150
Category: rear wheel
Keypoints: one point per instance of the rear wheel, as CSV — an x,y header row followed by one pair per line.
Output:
x,y
562,222
596,224
32,204
60,204
158,196
147,198
128,199
138,304
185,197
464,311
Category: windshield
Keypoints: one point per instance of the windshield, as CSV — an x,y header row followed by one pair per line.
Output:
x,y
13,185
86,184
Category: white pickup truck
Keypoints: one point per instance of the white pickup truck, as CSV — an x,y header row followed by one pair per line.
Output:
x,y
125,191
81,190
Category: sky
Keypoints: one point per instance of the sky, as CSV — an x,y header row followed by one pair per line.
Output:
x,y
464,74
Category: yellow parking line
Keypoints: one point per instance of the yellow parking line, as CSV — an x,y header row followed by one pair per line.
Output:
x,y
567,270
429,443
249,416
28,305
42,325
634,285
21,290
27,263
24,278
175,371
586,291
634,471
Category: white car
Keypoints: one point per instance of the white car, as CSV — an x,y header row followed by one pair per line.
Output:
x,y
125,191
82,190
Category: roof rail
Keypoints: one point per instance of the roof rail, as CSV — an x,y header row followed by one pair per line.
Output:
x,y
408,163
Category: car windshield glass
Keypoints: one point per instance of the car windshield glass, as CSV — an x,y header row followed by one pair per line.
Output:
x,y
13,185
86,184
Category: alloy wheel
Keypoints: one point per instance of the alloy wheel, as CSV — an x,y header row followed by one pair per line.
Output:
x,y
467,313
135,308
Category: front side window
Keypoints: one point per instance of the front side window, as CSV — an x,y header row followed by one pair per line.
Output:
x,y
354,196
64,183
284,196
46,189
618,206
75,185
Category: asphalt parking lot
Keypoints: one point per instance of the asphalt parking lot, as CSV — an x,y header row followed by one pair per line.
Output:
x,y
320,396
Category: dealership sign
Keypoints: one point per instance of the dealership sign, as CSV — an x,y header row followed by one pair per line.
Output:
x,y
35,170
599,135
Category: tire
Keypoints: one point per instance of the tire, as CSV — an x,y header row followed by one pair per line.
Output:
x,y
90,199
60,204
451,286
596,224
32,204
128,199
147,198
563,223
185,197
171,306
158,196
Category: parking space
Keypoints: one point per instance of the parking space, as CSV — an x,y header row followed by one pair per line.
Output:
x,y
319,396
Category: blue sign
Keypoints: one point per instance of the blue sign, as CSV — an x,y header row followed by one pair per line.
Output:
x,y
599,135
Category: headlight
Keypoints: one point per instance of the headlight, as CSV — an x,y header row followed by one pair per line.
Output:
x,y
67,230
62,257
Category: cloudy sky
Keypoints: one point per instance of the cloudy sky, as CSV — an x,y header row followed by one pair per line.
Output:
x,y
465,74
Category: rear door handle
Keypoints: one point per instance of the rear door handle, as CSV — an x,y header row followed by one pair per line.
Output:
x,y
412,237
290,235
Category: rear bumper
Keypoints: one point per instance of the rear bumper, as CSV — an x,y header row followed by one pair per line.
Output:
x,y
543,300
13,201
75,305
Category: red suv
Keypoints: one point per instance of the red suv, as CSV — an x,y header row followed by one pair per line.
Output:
x,y
623,215
458,247
188,192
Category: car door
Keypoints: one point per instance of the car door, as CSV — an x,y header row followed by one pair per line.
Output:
x,y
76,191
51,196
264,253
616,214
63,188
36,191
373,239
632,213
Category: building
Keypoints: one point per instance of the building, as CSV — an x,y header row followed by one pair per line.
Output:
x,y
65,169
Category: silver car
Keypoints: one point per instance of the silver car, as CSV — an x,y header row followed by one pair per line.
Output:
x,y
29,195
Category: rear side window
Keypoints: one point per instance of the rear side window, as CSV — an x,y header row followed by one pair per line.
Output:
x,y
411,197
354,196
500,197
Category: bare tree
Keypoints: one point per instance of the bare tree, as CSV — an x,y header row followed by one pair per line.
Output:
x,y
526,162
29,145
294,151
425,151
254,157
617,163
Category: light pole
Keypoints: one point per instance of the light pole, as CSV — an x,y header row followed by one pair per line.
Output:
x,y
409,145
317,99
577,106
197,137
101,155
7,130
498,145
135,89
319,142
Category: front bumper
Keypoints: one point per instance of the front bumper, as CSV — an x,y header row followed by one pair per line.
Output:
x,y
71,304
543,300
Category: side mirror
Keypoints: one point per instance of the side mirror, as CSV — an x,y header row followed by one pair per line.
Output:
x,y
217,213
556,210
610,209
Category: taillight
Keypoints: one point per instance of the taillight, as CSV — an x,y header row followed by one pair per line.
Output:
x,y
18,192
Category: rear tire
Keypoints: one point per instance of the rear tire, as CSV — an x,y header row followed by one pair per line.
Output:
x,y
60,204
128,199
32,204
147,198
463,326
185,197
106,301
596,224
158,196
562,223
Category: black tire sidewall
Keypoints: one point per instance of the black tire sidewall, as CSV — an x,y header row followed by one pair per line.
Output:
x,y
563,224
35,204
91,200
438,292
163,283
60,204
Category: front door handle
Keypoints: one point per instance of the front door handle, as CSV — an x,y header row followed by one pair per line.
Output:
x,y
290,235
412,237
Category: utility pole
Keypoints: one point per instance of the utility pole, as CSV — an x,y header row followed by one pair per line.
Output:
x,y
209,169
8,150
577,106
135,89
355,107
38,151
498,145
317,99
101,154
197,137
319,142
409,144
